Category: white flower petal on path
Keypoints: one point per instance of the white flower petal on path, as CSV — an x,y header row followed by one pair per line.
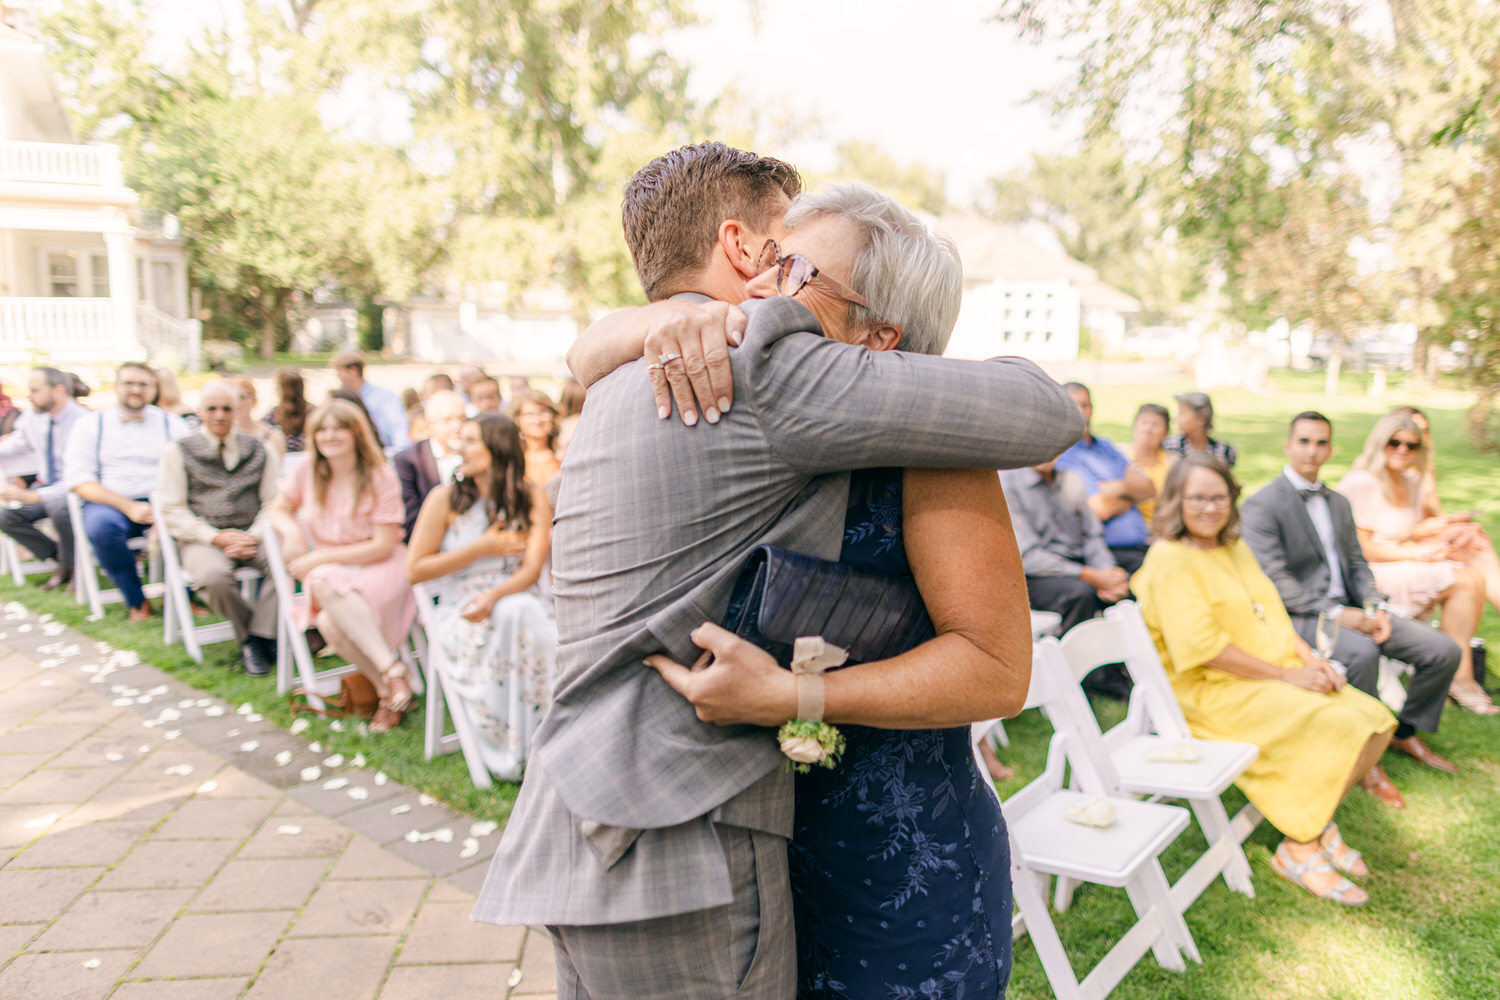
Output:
x,y
298,726
483,828
334,784
358,761
471,848
288,830
249,746
337,760
311,773
381,778
208,785
404,807
183,769
214,711
426,800
92,963
41,821
315,747
359,794
283,758
172,734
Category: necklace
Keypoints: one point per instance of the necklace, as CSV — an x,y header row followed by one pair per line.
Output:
x,y
1256,608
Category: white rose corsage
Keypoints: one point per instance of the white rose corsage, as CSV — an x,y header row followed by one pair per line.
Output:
x,y
807,739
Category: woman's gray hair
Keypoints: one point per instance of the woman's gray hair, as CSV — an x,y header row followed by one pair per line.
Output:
x,y
910,275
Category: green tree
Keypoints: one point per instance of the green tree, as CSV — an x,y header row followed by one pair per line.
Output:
x,y
913,185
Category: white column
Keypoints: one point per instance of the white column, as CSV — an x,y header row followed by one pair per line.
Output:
x,y
122,292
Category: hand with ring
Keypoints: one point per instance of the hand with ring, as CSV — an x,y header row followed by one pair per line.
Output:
x,y
687,347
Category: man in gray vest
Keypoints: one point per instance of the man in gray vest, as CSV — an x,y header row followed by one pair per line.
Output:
x,y
215,485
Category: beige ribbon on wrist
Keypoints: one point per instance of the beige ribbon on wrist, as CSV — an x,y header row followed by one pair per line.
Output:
x,y
811,655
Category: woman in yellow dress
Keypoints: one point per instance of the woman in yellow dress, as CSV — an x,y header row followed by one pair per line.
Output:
x,y
1242,673
1147,433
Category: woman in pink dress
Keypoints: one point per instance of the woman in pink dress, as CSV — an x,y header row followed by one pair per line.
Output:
x,y
1385,490
340,517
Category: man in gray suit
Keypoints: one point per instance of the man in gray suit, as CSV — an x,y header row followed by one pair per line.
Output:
x,y
1303,536
652,844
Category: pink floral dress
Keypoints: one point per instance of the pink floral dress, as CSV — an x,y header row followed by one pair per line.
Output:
x,y
340,521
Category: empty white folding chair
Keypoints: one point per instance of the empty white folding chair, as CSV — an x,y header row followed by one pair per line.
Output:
x,y
86,568
1155,755
437,740
20,564
1125,854
177,608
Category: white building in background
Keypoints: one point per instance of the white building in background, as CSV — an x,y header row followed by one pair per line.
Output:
x,y
84,279
1023,295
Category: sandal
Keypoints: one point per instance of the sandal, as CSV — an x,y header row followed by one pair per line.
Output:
x,y
401,694
385,718
1474,701
1343,892
1343,857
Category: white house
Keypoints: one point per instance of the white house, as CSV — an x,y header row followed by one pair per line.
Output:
x,y
1023,295
83,279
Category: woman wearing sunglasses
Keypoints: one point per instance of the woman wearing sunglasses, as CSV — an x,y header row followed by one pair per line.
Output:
x,y
1384,489
899,858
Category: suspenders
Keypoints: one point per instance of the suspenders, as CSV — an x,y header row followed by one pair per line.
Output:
x,y
166,429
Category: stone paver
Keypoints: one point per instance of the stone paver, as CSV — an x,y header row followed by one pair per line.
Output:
x,y
169,862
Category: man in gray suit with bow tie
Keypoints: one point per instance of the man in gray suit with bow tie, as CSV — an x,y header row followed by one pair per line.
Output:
x,y
1303,536
652,844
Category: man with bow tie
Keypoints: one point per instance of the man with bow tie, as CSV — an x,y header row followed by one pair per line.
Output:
x,y
1303,535
40,441
111,463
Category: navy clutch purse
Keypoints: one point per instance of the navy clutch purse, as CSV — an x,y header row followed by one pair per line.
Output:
x,y
781,595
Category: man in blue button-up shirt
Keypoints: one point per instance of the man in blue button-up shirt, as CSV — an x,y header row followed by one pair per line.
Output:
x,y
383,405
1115,486
37,445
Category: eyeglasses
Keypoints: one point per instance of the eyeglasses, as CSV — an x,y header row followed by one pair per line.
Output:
x,y
1220,502
1396,444
794,271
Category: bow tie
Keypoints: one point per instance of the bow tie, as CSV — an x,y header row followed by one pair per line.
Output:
x,y
1317,491
138,418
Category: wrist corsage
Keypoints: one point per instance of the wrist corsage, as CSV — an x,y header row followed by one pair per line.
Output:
x,y
807,739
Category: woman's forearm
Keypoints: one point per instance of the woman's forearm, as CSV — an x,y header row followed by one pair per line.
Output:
x,y
608,343
947,681
441,563
357,553
1234,660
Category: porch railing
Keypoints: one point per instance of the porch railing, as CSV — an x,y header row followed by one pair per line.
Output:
x,y
60,163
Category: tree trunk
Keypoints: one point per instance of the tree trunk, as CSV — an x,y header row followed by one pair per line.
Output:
x,y
270,307
1480,418
1331,372
1422,361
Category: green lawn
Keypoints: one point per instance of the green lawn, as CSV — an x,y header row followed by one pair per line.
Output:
x,y
1432,926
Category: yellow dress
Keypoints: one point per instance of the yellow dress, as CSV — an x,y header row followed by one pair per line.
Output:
x,y
1157,474
1197,602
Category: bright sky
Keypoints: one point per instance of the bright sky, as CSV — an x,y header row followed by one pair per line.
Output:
x,y
933,82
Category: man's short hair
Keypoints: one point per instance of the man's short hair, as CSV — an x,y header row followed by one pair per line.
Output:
x,y
909,274
55,377
673,207
1077,387
350,359
439,382
1309,415
139,366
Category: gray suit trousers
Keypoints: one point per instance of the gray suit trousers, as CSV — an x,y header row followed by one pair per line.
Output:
x,y
1432,655
213,576
20,523
745,950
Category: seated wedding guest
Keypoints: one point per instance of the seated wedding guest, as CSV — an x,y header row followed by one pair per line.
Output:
x,y
432,462
1195,418
1148,431
9,413
536,416
291,410
214,486
111,462
416,425
467,376
1068,567
1432,501
339,517
1115,487
1385,491
483,539
245,398
1241,673
40,441
436,382
1303,536
387,415
570,399
484,395
169,397
411,400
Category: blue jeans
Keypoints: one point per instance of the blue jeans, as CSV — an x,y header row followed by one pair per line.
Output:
x,y
109,532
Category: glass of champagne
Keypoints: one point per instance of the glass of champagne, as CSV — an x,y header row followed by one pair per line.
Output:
x,y
1326,635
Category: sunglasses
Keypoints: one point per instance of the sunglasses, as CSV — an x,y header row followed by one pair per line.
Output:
x,y
1396,444
794,272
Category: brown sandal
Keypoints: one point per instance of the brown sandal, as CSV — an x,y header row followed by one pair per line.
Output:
x,y
401,693
385,719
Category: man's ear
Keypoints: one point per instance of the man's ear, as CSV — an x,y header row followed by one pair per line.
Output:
x,y
884,337
734,239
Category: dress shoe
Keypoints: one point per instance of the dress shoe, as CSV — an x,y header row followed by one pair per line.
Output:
x,y
60,577
254,659
1414,748
1379,784
140,613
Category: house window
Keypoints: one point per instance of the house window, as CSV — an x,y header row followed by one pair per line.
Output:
x,y
62,275
99,275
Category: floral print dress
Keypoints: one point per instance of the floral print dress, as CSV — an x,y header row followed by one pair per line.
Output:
x,y
899,858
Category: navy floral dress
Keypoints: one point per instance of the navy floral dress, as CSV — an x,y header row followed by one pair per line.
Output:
x,y
899,860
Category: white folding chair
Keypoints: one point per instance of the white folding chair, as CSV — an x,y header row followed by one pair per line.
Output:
x,y
19,565
1125,854
86,568
177,608
292,655
437,741
1155,727
1043,623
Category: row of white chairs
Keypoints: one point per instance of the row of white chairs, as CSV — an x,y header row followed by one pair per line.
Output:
x,y
1148,757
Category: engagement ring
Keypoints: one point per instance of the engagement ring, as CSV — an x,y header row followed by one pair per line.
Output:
x,y
667,359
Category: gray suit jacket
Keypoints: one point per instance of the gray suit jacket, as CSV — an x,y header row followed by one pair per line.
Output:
x,y
1279,531
614,820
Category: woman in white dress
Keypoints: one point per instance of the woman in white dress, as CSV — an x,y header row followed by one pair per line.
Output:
x,y
483,539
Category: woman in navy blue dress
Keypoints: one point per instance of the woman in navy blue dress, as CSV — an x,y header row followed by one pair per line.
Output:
x,y
899,860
